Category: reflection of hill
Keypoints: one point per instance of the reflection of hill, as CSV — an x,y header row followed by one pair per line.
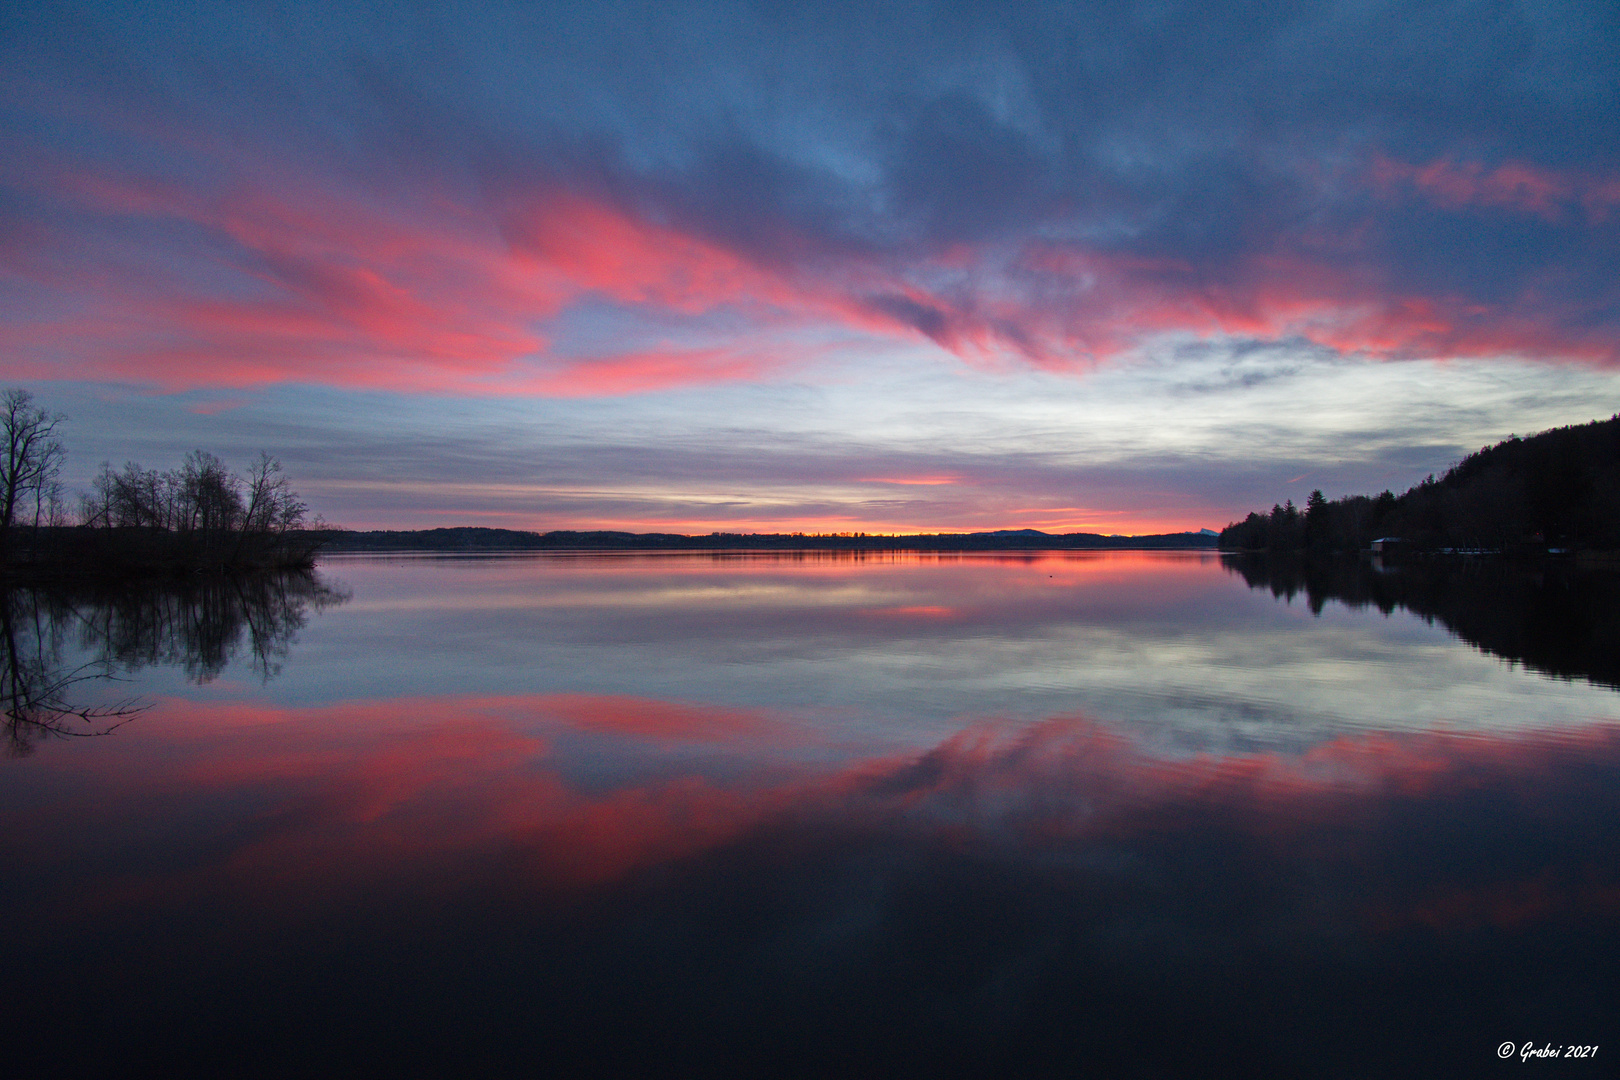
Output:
x,y
55,639
1554,617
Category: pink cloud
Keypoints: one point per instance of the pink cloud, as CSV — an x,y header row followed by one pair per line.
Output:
x,y
1549,193
912,481
328,288
640,372
1345,307
306,283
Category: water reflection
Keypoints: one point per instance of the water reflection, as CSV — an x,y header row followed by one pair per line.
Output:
x,y
58,641
896,650
37,682
1060,815
203,626
1555,617
429,890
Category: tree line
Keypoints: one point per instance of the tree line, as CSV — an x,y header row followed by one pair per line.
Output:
x,y
196,516
201,498
1556,489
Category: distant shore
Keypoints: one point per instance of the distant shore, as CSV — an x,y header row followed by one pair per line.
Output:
x,y
483,539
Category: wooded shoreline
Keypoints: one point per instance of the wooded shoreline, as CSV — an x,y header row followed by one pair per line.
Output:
x,y
1550,493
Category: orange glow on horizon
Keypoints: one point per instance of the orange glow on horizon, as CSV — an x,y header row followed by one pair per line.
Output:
x,y
526,521
911,481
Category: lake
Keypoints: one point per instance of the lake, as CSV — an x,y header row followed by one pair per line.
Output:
x,y
817,814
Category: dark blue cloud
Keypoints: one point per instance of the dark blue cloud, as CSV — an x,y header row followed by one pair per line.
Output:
x,y
1227,144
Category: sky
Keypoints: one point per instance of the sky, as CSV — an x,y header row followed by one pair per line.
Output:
x,y
1110,267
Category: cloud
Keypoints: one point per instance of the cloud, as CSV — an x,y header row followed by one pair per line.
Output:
x,y
247,199
1547,193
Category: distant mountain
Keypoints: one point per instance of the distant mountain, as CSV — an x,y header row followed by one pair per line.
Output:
x,y
1557,489
483,539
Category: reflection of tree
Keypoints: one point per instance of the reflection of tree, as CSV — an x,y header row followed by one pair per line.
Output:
x,y
202,626
199,626
1554,617
35,680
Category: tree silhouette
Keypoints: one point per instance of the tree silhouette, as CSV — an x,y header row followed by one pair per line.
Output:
x,y
1560,488
30,456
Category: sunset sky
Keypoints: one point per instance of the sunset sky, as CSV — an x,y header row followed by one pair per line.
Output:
x,y
1112,267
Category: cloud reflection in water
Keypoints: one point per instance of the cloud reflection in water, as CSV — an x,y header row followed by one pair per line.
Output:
x,y
1048,892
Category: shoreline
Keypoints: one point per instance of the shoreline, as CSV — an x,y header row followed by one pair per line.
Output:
x,y
491,541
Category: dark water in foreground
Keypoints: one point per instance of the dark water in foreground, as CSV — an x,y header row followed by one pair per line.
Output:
x,y
1072,815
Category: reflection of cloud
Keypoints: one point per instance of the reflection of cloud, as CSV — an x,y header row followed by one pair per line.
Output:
x,y
649,719
417,782
1013,892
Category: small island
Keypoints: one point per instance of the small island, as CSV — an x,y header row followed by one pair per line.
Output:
x,y
141,523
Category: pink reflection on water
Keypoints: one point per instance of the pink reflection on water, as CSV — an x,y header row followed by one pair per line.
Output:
x,y
994,588
291,811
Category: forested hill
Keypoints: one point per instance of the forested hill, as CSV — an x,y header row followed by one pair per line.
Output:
x,y
481,539
1558,489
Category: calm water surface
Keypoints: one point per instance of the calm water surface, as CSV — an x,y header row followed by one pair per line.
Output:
x,y
821,815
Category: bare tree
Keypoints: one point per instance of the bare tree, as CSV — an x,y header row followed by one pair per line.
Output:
x,y
210,493
50,508
30,455
272,507
202,511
